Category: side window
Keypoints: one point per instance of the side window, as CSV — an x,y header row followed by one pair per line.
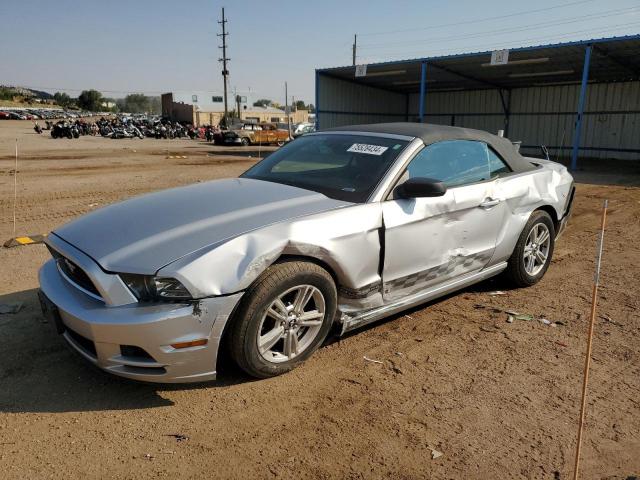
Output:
x,y
496,164
453,162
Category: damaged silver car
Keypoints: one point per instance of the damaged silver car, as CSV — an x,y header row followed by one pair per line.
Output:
x,y
336,230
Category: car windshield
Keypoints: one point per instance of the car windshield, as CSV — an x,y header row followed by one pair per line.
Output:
x,y
343,167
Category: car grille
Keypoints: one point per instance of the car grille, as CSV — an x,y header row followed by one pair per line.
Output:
x,y
74,273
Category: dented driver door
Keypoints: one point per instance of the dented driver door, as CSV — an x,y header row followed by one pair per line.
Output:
x,y
429,241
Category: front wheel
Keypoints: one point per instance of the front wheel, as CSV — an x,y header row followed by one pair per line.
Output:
x,y
532,255
244,141
283,318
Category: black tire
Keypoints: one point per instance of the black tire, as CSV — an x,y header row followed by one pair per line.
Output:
x,y
516,272
277,279
244,141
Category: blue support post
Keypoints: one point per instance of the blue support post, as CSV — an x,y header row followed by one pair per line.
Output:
x,y
423,89
583,94
317,100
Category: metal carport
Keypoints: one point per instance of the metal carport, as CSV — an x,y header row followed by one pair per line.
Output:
x,y
580,97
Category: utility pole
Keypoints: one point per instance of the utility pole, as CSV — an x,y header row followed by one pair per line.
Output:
x,y
224,60
355,48
286,108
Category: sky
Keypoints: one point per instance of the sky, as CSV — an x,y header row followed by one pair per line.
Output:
x,y
157,46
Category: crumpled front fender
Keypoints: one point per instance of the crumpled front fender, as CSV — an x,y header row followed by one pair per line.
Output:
x,y
345,239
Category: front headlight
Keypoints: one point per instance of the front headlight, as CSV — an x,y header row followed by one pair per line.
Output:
x,y
153,289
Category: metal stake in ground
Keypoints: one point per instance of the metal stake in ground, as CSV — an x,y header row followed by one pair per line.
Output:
x,y
15,190
587,362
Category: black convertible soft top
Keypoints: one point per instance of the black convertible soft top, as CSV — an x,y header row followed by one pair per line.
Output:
x,y
429,134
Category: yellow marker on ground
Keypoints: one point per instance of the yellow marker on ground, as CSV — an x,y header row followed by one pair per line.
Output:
x,y
25,240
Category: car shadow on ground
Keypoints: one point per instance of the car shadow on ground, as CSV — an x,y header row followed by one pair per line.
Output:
x,y
489,285
40,373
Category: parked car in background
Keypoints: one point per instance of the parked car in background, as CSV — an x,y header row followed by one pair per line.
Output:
x,y
337,229
252,133
302,128
16,116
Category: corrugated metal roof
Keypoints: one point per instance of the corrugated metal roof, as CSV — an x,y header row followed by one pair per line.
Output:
x,y
613,59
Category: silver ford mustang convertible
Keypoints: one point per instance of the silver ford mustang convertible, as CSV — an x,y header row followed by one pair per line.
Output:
x,y
335,230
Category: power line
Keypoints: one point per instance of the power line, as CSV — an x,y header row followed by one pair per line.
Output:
x,y
486,19
534,26
490,46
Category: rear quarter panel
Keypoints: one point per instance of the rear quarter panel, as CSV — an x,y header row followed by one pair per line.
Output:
x,y
548,185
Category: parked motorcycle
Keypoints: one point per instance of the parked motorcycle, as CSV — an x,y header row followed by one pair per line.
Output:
x,y
62,129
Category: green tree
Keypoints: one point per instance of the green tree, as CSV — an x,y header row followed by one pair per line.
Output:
x,y
263,102
6,93
90,100
155,105
139,103
136,103
62,99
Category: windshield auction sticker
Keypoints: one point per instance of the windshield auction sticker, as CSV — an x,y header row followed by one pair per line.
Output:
x,y
368,149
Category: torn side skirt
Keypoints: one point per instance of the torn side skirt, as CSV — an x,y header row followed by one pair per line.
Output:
x,y
443,270
357,293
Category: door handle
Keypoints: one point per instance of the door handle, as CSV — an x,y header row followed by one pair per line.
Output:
x,y
490,202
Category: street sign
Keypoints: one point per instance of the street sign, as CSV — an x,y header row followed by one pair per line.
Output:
x,y
361,70
499,57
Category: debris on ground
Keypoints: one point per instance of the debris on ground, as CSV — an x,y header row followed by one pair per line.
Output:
x,y
528,318
395,368
11,307
497,292
435,454
179,437
372,360
607,318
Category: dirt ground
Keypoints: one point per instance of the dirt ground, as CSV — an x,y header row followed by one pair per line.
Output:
x,y
497,399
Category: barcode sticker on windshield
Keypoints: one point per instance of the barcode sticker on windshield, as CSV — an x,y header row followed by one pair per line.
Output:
x,y
368,149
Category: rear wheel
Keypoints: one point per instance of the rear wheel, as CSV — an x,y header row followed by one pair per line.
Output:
x,y
244,141
532,255
283,318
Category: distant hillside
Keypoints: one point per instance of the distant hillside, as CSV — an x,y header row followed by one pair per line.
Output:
x,y
24,92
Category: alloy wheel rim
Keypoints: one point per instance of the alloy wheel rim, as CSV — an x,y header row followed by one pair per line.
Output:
x,y
536,249
291,323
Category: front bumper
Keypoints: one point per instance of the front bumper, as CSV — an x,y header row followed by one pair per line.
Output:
x,y
134,340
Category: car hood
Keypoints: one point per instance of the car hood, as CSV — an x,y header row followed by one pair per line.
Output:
x,y
143,234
